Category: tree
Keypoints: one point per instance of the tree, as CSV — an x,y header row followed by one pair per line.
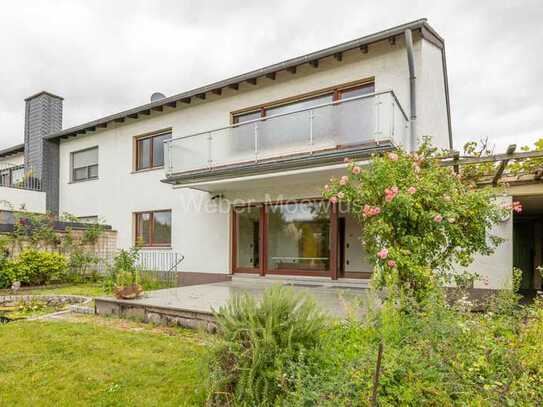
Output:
x,y
418,218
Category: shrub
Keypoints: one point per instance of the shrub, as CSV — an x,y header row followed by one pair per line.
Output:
x,y
419,219
34,267
434,355
257,342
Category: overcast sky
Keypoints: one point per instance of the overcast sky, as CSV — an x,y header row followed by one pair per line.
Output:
x,y
107,56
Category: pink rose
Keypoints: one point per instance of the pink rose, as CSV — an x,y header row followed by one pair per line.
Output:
x,y
333,199
517,207
341,195
390,193
411,190
327,187
356,170
370,211
391,264
383,253
343,180
393,156
438,218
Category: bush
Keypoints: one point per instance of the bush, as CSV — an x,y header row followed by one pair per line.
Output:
x,y
258,341
34,267
434,355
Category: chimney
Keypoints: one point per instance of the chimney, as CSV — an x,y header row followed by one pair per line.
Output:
x,y
43,116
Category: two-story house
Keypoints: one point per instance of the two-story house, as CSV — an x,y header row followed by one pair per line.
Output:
x,y
231,174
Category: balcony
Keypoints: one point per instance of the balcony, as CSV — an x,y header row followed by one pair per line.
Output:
x,y
18,176
325,133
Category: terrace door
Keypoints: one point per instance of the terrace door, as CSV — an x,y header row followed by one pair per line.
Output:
x,y
291,238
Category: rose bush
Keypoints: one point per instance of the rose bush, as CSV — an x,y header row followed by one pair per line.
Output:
x,y
418,218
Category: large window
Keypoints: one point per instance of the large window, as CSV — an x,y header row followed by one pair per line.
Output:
x,y
154,228
85,164
299,237
304,102
150,151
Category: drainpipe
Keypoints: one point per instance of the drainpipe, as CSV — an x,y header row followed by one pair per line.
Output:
x,y
412,90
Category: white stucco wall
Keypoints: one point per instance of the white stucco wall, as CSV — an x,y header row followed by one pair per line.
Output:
x,y
22,199
199,232
496,270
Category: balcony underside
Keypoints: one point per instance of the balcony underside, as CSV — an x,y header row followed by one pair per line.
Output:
x,y
288,170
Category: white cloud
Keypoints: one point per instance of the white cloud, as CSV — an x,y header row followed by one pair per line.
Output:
x,y
104,56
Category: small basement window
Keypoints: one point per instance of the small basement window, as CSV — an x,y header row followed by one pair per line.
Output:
x,y
85,164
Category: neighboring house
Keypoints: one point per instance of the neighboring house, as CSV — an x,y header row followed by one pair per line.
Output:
x,y
180,172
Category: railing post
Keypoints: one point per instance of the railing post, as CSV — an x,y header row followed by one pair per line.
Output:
x,y
256,141
170,164
311,116
209,158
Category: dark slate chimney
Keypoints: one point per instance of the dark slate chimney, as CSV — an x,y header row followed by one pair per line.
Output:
x,y
43,116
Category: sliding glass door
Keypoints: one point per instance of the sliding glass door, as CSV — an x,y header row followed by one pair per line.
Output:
x,y
285,238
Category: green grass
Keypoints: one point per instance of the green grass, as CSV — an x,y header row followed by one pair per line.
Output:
x,y
88,290
92,362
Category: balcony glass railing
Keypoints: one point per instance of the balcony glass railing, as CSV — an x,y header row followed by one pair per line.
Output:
x,y
345,124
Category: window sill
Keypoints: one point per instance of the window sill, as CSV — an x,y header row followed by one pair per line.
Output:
x,y
83,180
147,170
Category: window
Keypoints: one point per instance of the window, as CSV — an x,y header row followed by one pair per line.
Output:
x,y
85,164
88,219
305,102
154,228
150,151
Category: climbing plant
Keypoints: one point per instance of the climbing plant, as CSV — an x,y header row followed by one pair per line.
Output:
x,y
418,218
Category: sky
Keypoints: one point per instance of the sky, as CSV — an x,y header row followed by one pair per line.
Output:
x,y
108,56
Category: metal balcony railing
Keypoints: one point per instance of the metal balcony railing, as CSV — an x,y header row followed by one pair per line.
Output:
x,y
340,125
18,176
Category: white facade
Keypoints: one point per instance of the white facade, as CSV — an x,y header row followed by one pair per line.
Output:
x,y
200,232
13,199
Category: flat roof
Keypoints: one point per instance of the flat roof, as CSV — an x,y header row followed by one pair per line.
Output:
x,y
269,71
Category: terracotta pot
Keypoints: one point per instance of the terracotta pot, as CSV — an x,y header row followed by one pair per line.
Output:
x,y
130,292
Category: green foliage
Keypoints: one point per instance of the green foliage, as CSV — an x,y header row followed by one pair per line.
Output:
x,y
257,341
418,218
124,271
435,355
35,267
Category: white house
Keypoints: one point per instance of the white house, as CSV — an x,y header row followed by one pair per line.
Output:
x,y
230,174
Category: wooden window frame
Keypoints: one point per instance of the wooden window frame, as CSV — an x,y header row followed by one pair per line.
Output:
x,y
335,91
151,244
147,136
72,168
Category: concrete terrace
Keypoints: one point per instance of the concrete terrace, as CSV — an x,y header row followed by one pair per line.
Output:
x,y
193,306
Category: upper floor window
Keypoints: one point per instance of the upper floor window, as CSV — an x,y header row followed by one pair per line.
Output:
x,y
85,164
305,102
150,150
154,228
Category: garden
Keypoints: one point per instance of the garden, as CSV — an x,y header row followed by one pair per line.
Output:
x,y
416,343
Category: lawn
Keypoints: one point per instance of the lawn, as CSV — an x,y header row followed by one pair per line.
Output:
x,y
87,289
93,361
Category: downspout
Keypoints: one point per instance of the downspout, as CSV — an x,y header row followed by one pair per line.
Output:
x,y
412,90
447,100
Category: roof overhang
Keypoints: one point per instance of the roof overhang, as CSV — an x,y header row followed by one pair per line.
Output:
x,y
17,149
290,65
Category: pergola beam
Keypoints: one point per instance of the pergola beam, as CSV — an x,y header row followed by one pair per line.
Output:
x,y
510,150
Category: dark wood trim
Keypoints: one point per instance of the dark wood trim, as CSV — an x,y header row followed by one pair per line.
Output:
x,y
235,228
333,241
303,96
296,272
263,244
